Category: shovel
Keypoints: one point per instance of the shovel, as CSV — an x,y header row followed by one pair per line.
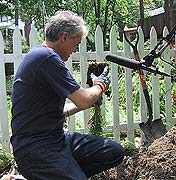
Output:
x,y
152,129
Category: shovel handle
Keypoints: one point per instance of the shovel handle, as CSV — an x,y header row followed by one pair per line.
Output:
x,y
146,95
149,106
141,73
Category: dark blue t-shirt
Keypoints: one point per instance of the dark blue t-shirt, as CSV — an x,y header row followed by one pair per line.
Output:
x,y
40,88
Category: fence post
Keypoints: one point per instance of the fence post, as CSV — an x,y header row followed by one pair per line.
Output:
x,y
83,70
128,90
17,48
143,105
3,101
168,85
115,87
100,58
155,80
70,119
99,44
33,38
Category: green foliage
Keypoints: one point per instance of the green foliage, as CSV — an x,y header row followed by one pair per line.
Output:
x,y
151,5
8,45
104,13
8,42
129,146
5,158
108,13
9,103
25,46
9,84
96,123
5,8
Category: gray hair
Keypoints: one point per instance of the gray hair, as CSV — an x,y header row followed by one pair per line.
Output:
x,y
65,21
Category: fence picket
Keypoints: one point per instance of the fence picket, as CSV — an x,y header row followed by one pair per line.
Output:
x,y
71,119
115,87
168,85
129,94
99,44
100,55
17,47
143,106
155,80
3,101
83,69
33,38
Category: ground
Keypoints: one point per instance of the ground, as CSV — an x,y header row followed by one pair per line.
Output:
x,y
156,161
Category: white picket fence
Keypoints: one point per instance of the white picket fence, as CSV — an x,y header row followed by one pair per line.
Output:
x,y
83,57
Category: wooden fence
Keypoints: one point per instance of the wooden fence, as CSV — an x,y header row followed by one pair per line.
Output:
x,y
83,57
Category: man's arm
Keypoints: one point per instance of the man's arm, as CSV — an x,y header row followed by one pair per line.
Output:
x,y
84,98
70,109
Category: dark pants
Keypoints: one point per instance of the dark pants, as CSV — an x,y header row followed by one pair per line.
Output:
x,y
80,157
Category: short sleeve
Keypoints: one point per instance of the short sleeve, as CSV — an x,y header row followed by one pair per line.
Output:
x,y
54,72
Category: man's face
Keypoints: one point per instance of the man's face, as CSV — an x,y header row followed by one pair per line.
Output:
x,y
70,46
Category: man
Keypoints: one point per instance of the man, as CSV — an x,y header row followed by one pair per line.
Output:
x,y
42,150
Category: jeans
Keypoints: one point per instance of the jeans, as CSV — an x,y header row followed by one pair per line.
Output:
x,y
80,157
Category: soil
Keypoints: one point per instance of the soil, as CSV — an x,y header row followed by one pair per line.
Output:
x,y
156,161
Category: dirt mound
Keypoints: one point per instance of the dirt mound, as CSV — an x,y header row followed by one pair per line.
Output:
x,y
154,162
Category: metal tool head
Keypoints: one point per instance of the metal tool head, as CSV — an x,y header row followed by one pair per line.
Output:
x,y
153,129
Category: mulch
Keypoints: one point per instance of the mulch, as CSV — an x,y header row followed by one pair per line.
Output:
x,y
156,161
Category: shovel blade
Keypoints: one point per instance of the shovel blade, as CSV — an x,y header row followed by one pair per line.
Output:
x,y
153,129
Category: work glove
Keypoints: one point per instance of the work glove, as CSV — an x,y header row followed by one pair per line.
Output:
x,y
103,80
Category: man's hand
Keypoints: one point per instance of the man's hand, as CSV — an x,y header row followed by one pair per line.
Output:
x,y
103,80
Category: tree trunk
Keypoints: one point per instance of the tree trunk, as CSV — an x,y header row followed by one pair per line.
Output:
x,y
105,21
16,13
27,29
169,15
141,13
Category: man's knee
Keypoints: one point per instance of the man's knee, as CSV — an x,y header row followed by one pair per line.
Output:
x,y
116,153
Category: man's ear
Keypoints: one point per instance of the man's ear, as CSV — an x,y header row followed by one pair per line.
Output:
x,y
64,36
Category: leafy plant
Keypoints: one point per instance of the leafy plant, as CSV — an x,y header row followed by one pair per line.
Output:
x,y
96,123
129,146
5,158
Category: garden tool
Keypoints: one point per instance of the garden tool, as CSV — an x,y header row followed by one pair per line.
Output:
x,y
152,129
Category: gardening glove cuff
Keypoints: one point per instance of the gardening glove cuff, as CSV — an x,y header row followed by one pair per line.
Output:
x,y
103,80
